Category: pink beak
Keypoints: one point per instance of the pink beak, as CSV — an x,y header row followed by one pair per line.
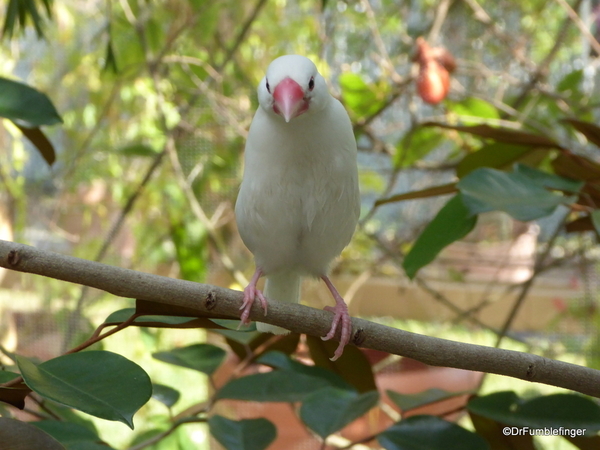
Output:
x,y
289,99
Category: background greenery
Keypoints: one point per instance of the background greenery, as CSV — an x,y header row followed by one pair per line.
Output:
x,y
132,154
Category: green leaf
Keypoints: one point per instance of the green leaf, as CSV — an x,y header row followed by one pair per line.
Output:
x,y
473,108
99,383
17,435
556,410
496,155
6,376
416,144
234,325
570,82
67,433
411,401
516,193
89,446
158,321
548,180
40,141
330,409
25,105
360,98
110,61
353,366
275,386
282,361
248,434
120,315
165,394
429,433
19,13
241,336
205,358
453,222
506,135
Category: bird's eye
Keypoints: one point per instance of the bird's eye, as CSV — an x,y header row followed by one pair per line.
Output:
x,y
268,87
311,84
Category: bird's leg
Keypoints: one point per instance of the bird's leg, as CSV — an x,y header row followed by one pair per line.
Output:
x,y
250,293
340,311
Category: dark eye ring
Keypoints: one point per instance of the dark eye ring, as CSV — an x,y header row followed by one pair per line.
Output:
x,y
311,84
268,87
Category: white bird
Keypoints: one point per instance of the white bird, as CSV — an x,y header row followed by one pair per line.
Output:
x,y
299,201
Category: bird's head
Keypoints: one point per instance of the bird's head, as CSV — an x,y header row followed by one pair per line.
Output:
x,y
292,87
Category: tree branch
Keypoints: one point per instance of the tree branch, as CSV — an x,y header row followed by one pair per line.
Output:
x,y
211,301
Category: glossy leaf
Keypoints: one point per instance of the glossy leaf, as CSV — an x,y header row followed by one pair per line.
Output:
x,y
205,358
40,141
254,344
25,105
429,433
17,435
453,222
159,321
548,180
248,434
496,155
14,395
328,410
353,366
557,410
234,325
282,361
67,433
89,446
275,386
514,193
99,383
506,135
165,394
412,401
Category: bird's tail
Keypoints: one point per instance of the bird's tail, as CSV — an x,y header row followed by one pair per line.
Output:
x,y
283,287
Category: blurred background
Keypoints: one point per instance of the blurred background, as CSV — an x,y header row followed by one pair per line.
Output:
x,y
156,99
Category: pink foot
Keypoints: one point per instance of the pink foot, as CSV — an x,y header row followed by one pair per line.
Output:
x,y
340,311
250,294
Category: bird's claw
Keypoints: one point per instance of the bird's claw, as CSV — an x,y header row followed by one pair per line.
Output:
x,y
340,311
251,292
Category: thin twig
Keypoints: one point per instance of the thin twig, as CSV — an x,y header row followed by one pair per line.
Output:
x,y
241,35
572,12
542,68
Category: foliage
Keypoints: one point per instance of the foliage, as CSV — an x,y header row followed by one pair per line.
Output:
x,y
154,101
